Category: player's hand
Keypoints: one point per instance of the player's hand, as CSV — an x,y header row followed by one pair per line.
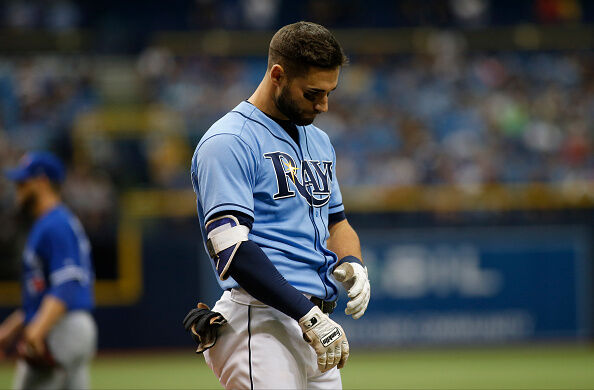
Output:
x,y
34,349
32,345
326,337
355,280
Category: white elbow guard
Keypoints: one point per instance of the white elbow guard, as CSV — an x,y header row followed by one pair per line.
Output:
x,y
225,234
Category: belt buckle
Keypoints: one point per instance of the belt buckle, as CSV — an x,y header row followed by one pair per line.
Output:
x,y
327,307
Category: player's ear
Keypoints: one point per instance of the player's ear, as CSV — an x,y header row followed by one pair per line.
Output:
x,y
277,73
46,184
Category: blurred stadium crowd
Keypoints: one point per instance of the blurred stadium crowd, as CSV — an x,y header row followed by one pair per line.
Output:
x,y
447,118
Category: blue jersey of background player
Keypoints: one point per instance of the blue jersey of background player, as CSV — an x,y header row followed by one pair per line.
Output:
x,y
56,329
57,262
273,221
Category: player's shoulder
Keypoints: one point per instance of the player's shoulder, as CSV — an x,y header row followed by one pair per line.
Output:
x,y
234,123
52,224
57,218
234,129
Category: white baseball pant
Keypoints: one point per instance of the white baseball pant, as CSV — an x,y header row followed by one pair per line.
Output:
x,y
262,348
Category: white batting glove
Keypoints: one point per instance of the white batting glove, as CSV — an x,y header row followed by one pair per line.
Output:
x,y
355,280
326,337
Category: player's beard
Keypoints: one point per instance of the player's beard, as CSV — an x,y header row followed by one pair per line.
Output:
x,y
26,208
288,107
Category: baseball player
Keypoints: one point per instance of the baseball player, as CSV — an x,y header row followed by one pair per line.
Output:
x,y
56,332
273,221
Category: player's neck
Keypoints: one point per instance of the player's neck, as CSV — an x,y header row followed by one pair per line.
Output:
x,y
263,99
46,203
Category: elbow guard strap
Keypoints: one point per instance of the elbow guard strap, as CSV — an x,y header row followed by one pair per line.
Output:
x,y
225,234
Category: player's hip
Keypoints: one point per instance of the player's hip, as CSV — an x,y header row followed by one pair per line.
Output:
x,y
73,338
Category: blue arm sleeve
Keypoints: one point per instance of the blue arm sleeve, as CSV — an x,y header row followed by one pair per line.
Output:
x,y
256,274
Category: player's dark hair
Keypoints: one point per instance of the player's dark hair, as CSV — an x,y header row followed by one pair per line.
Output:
x,y
299,46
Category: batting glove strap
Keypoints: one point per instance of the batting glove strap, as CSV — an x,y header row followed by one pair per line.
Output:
x,y
326,337
203,325
355,280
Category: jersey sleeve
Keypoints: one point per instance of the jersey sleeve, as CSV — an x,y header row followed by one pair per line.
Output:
x,y
224,175
335,205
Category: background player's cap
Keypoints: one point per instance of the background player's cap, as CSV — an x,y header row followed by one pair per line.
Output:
x,y
36,164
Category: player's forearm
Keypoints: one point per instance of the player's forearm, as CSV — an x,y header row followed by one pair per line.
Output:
x,y
343,240
350,270
50,311
256,274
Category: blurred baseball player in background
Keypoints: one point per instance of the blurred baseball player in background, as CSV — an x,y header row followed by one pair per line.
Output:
x,y
271,213
54,331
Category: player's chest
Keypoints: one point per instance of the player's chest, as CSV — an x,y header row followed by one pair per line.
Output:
x,y
290,173
32,257
34,270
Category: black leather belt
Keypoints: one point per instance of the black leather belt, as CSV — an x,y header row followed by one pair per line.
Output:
x,y
327,307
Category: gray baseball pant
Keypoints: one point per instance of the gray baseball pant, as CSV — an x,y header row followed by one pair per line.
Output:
x,y
73,342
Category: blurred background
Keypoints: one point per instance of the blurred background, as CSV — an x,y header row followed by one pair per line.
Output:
x,y
464,131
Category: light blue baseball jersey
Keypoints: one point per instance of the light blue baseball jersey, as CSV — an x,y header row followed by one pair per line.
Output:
x,y
247,162
57,261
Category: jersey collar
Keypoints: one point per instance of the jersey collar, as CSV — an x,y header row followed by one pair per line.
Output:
x,y
251,111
